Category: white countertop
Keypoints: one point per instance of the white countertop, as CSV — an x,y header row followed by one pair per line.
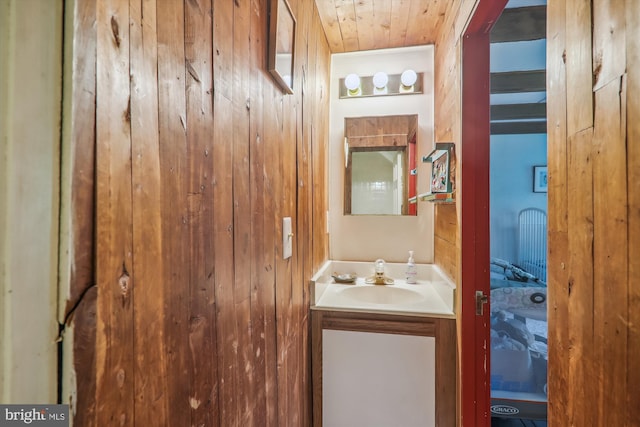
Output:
x,y
432,296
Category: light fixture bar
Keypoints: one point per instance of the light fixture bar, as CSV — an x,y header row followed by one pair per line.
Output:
x,y
394,87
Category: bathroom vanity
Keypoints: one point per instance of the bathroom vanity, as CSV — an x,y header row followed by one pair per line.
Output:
x,y
383,354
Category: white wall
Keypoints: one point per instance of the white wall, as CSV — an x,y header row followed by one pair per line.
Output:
x,y
368,237
511,178
30,92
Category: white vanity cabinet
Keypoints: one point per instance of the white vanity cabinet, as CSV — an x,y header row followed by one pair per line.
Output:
x,y
378,370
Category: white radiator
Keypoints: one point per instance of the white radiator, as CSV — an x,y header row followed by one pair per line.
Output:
x,y
532,242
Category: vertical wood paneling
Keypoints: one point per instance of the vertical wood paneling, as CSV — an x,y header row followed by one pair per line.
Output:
x,y
289,370
223,250
150,364
203,397
286,334
633,189
557,248
115,354
610,250
593,341
608,41
447,125
320,135
447,121
223,47
242,213
226,329
303,208
272,128
200,156
81,98
84,355
175,214
580,360
259,289
446,412
79,141
578,64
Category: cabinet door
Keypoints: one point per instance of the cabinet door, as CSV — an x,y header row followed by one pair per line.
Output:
x,y
377,380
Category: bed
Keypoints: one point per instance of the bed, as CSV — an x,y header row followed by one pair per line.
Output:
x,y
519,324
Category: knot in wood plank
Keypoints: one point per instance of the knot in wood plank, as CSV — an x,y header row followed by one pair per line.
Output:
x,y
115,30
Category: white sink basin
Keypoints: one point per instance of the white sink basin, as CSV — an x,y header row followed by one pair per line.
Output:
x,y
432,296
379,294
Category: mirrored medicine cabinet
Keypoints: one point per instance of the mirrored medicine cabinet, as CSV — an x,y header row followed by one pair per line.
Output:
x,y
380,165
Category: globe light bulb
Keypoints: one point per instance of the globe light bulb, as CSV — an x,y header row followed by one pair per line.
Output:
x,y
408,79
380,80
352,83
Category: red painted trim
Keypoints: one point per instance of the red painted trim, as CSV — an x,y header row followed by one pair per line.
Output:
x,y
475,227
485,16
412,190
475,330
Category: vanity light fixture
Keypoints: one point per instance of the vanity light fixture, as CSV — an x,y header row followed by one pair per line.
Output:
x,y
352,83
380,80
408,79
380,84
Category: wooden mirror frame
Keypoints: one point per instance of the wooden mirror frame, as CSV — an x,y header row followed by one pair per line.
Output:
x,y
282,32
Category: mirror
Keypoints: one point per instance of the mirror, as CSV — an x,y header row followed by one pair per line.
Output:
x,y
281,44
380,155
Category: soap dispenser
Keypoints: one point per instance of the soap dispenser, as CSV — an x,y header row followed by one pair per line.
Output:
x,y
412,270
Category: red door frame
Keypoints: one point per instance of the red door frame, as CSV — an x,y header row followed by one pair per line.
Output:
x,y
476,132
412,178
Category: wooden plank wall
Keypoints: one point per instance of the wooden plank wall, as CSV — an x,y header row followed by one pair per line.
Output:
x,y
448,108
593,89
198,157
77,265
448,128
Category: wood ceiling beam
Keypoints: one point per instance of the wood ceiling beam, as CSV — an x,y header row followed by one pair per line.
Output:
x,y
519,81
518,128
521,24
519,111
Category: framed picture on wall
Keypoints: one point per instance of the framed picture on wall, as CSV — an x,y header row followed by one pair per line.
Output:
x,y
539,179
440,160
282,33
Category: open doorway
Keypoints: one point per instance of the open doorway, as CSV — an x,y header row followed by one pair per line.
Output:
x,y
481,120
518,216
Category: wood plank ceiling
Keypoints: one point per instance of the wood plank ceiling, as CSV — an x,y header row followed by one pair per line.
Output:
x,y
355,25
